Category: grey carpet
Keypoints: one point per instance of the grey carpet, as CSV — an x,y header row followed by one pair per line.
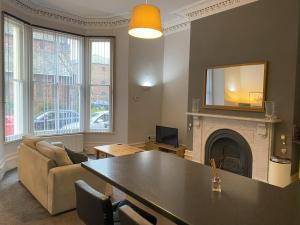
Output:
x,y
18,206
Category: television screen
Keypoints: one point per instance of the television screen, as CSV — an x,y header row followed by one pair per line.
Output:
x,y
167,135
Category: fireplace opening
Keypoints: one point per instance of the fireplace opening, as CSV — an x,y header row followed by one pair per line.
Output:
x,y
230,151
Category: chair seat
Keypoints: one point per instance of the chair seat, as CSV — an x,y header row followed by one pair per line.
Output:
x,y
128,216
147,216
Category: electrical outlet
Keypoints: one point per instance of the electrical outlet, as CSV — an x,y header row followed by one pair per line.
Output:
x,y
284,151
136,98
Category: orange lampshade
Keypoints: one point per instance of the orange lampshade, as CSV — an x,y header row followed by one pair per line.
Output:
x,y
145,22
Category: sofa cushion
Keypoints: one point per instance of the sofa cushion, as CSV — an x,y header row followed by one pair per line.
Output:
x,y
76,157
55,153
31,140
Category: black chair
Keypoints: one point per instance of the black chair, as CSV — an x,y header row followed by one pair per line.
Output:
x,y
130,217
94,208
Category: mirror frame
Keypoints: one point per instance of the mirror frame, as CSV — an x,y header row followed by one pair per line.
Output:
x,y
233,108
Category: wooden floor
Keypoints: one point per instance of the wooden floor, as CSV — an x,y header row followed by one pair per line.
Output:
x,y
18,206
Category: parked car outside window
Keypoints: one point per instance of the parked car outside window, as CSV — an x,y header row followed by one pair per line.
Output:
x,y
98,121
46,120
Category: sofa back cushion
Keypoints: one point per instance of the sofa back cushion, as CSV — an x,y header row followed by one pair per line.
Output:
x,y
55,153
31,140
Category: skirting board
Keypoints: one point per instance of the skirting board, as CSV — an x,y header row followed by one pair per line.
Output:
x,y
9,162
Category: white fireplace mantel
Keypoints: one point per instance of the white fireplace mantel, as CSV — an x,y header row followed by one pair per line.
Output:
x,y
258,132
242,118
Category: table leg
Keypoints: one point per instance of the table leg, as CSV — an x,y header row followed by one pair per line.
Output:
x,y
97,154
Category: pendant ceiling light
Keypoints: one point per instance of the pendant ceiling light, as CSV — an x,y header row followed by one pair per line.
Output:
x,y
145,22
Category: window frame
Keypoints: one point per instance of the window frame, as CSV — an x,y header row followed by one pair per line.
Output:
x,y
56,132
28,124
88,85
24,65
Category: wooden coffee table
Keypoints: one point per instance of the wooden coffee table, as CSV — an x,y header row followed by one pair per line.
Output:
x,y
115,150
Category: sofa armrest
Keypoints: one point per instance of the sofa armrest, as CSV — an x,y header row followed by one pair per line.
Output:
x,y
61,186
33,171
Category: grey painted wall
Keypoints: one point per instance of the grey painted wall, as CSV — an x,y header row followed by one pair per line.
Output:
x,y
264,30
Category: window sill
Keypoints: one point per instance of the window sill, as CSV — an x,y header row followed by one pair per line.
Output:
x,y
12,142
99,132
61,135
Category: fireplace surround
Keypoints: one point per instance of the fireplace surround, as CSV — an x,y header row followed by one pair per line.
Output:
x,y
254,134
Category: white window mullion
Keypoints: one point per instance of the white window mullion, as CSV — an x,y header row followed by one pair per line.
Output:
x,y
88,58
56,108
27,55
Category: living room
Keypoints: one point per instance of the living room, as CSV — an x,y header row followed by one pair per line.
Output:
x,y
75,74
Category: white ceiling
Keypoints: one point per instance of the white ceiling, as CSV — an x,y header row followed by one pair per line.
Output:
x,y
110,8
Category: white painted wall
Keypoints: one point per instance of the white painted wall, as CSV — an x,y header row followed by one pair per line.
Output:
x,y
145,68
175,82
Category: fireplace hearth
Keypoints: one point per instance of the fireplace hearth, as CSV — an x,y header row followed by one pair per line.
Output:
x,y
230,151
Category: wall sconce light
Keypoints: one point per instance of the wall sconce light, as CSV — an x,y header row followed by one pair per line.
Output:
x,y
147,84
146,88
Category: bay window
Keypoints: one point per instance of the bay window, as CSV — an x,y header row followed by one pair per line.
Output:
x,y
14,79
45,91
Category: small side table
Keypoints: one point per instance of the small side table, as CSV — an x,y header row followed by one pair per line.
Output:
x,y
116,150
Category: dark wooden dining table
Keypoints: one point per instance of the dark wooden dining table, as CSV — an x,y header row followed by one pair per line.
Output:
x,y
180,190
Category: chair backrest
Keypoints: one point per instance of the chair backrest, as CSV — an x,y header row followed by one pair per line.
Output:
x,y
130,217
93,208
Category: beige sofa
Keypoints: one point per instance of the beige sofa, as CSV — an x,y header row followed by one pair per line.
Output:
x,y
51,185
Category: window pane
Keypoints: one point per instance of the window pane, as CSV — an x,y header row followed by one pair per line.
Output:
x,y
100,108
100,66
57,77
44,59
14,83
44,102
69,109
100,85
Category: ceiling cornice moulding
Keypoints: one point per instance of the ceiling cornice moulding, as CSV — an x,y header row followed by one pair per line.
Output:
x,y
35,10
187,14
206,8
177,26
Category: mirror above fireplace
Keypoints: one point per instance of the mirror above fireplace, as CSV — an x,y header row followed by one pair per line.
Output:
x,y
236,87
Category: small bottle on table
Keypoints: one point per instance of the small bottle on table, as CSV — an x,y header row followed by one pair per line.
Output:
x,y
216,181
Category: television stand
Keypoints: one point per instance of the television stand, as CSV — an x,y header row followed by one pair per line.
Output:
x,y
179,151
